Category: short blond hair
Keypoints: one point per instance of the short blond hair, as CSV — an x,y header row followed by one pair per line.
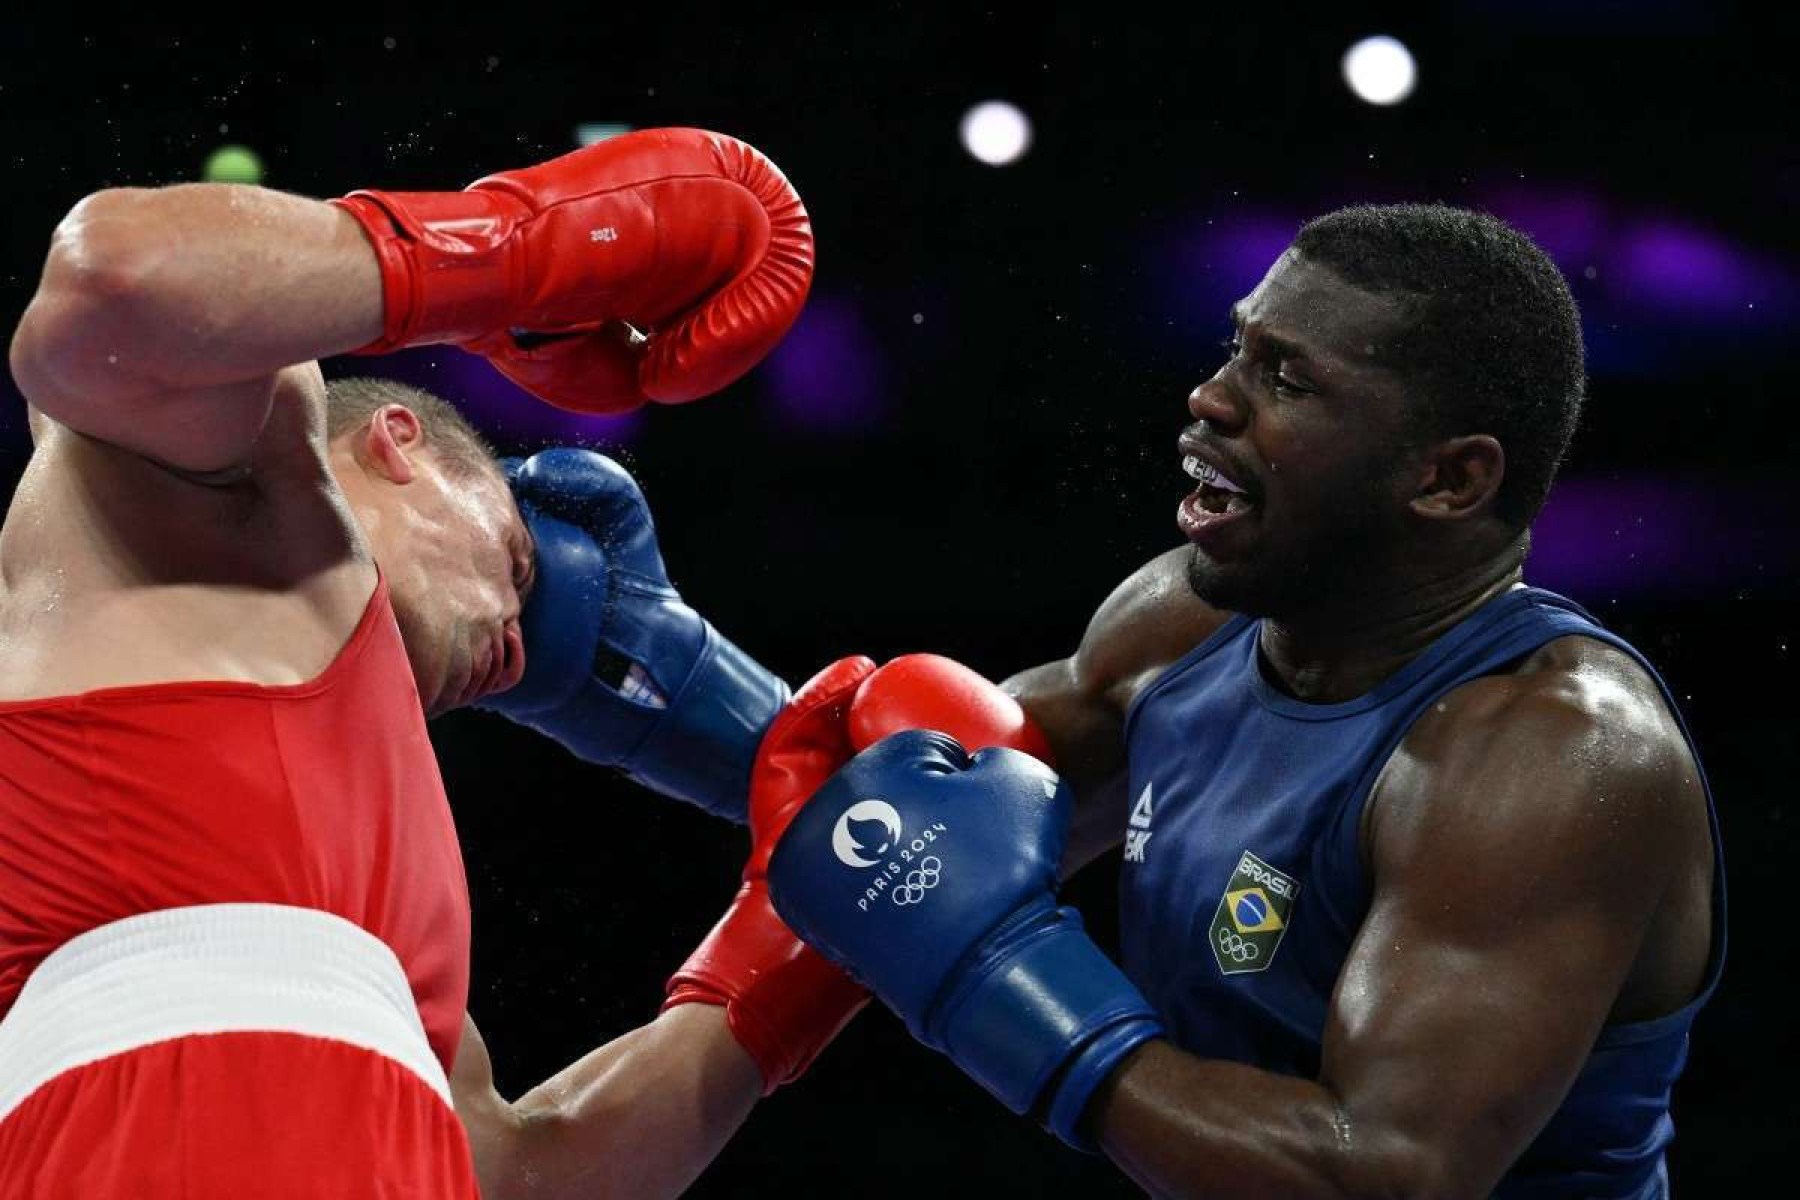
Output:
x,y
351,402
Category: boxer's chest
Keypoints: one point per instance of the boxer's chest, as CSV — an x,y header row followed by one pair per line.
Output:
x,y
1237,862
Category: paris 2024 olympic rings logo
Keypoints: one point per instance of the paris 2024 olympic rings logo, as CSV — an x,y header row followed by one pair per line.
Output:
x,y
917,882
1241,949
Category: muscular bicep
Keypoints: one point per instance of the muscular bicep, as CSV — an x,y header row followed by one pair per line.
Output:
x,y
1081,721
1149,621
69,360
164,316
1515,871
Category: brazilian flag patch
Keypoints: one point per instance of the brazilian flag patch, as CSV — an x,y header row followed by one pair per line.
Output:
x,y
1252,916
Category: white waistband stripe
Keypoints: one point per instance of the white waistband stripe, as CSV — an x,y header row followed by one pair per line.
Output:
x,y
216,968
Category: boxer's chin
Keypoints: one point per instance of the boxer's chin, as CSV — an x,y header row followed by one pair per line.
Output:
x,y
1237,587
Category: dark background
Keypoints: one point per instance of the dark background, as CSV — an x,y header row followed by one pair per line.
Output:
x,y
968,439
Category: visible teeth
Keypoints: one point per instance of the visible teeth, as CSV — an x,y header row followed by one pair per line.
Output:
x,y
1236,502
1209,475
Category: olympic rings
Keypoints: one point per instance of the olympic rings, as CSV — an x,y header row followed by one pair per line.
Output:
x,y
917,883
1241,950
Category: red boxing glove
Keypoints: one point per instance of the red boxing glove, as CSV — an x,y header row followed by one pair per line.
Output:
x,y
929,691
693,236
783,1001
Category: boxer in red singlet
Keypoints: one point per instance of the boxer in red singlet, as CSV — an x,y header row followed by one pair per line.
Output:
x,y
233,918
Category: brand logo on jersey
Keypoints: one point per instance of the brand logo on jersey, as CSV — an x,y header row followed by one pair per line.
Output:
x,y
1137,837
866,831
1252,916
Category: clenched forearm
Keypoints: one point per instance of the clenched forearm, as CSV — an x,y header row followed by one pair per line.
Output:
x,y
641,1116
1196,1128
199,285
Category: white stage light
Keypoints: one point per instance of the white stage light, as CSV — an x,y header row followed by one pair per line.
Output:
x,y
996,132
1380,70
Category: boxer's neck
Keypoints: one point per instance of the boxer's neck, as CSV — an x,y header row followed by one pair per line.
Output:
x,y
1342,649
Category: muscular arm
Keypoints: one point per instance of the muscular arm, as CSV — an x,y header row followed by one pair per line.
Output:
x,y
163,314
1520,843
639,1117
1080,702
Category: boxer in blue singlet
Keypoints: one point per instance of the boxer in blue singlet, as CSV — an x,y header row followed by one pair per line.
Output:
x,y
1421,884
1422,888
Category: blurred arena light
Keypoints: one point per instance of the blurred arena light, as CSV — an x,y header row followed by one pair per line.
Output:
x,y
232,164
1380,70
996,133
829,374
1628,535
589,132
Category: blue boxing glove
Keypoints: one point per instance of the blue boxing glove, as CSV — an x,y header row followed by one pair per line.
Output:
x,y
617,668
930,877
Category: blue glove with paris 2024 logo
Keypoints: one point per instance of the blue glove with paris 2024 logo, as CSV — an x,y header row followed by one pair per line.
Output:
x,y
930,876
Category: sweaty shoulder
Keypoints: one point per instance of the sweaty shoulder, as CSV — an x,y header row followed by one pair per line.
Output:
x,y
1570,761
1578,696
1146,624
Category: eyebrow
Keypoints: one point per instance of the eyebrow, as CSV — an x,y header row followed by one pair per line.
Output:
x,y
1284,346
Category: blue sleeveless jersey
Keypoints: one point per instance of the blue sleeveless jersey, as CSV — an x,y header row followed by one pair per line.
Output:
x,y
1243,884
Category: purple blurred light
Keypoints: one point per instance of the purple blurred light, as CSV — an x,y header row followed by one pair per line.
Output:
x,y
829,374
1227,258
1197,270
1246,247
1691,271
1569,223
1660,267
1662,535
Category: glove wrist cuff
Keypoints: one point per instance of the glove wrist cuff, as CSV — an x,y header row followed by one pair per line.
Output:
x,y
1045,1004
1091,1068
704,745
784,1003
448,263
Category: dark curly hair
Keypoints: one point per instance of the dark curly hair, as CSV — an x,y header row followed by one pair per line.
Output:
x,y
1493,340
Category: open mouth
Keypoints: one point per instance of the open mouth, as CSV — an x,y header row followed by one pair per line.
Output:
x,y
1214,515
1217,493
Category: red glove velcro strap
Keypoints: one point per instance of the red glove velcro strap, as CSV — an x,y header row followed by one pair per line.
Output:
x,y
448,262
783,1001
